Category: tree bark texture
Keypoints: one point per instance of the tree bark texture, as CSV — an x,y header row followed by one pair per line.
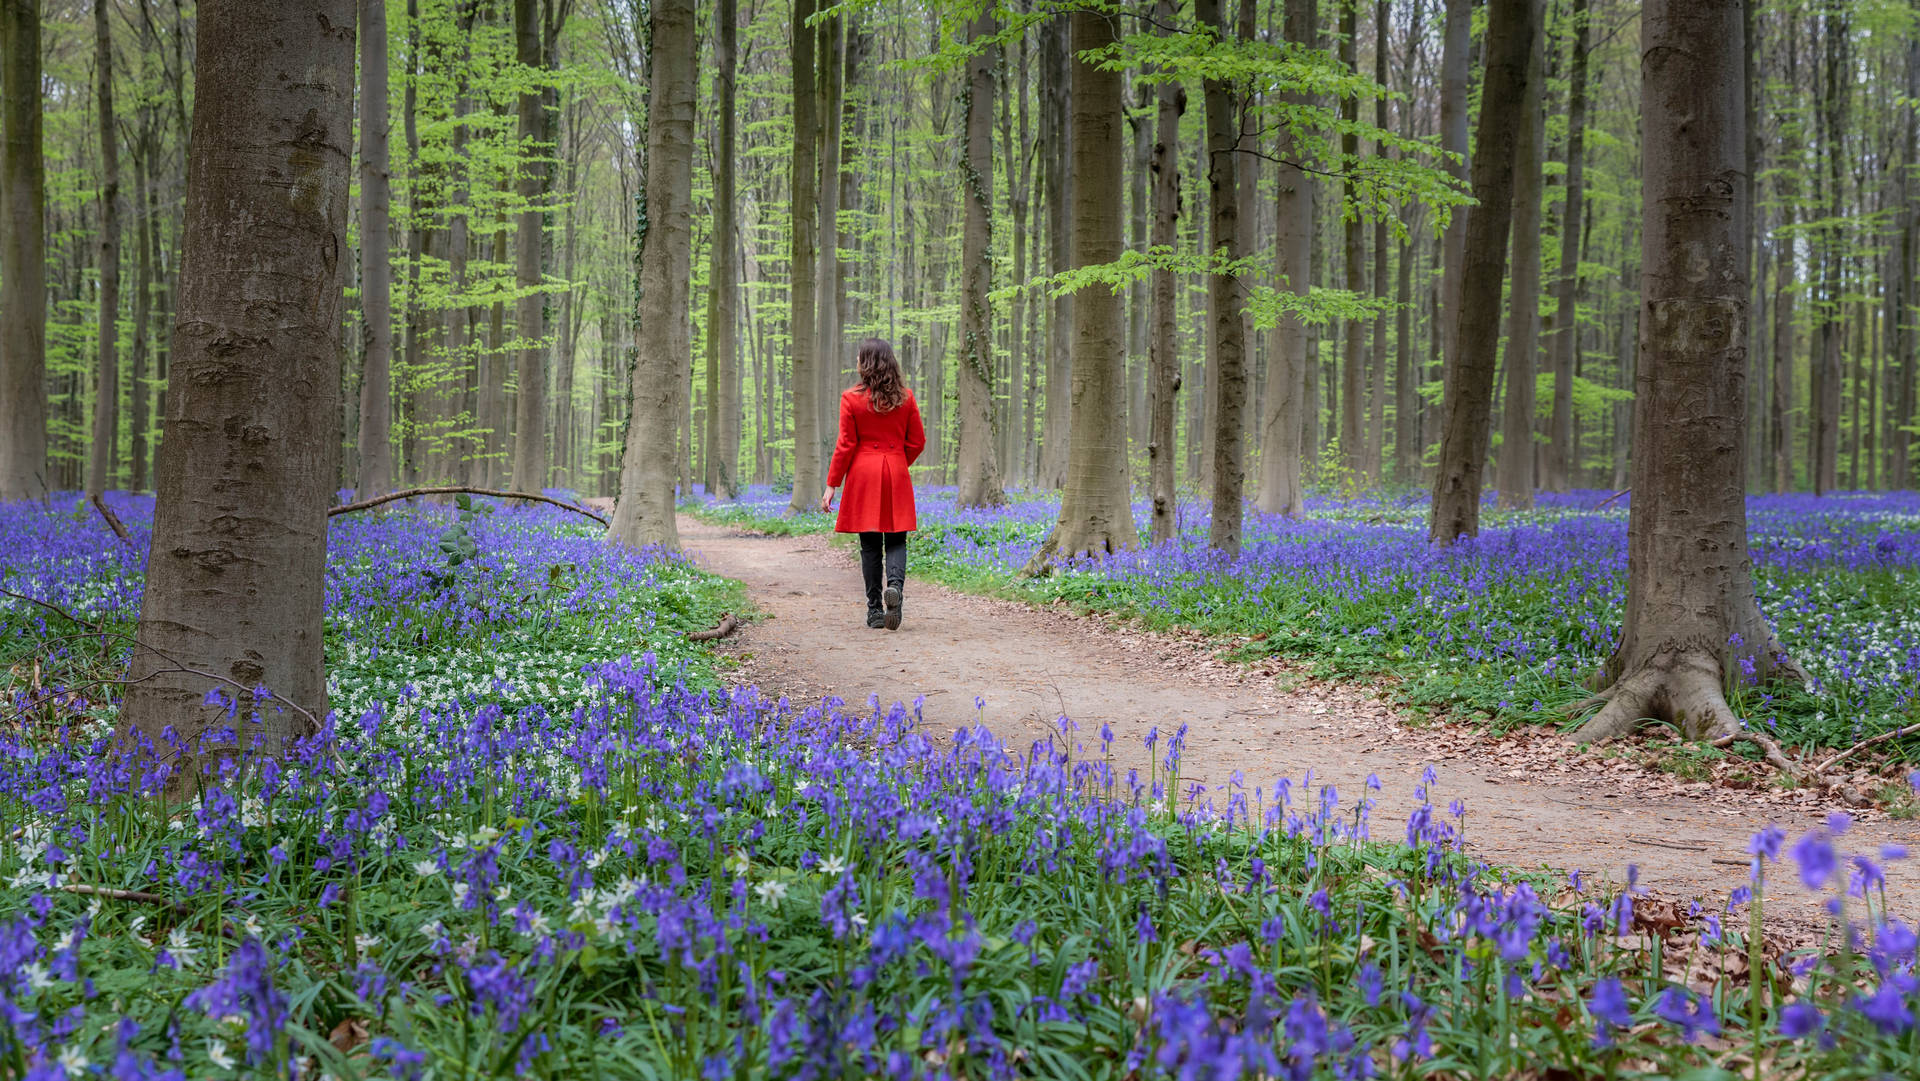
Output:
x,y
529,314
1163,361
248,460
1057,66
102,456
643,513
1465,431
376,267
1353,382
831,352
723,353
1282,420
1455,86
1691,617
1566,307
1513,475
23,260
1225,298
979,470
803,192
1095,512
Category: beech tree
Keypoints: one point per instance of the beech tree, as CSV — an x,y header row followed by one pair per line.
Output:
x,y
804,189
1226,299
1281,490
1692,621
1096,515
1163,361
979,471
106,389
249,456
1465,430
530,319
643,514
723,360
375,475
23,269
1514,474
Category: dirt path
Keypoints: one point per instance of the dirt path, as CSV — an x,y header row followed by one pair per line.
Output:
x,y
1030,666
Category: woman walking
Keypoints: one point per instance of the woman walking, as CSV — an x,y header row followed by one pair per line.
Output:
x,y
880,436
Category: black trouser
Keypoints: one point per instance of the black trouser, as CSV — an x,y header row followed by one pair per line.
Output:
x,y
871,564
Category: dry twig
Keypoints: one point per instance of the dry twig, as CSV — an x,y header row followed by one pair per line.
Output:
x,y
460,489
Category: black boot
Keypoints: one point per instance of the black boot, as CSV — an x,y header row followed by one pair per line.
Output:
x,y
896,570
870,569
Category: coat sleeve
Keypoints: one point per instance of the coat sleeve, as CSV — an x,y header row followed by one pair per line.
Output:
x,y
844,447
916,435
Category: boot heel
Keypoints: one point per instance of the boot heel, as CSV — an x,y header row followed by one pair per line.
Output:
x,y
891,599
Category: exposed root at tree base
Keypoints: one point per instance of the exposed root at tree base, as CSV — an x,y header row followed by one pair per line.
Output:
x,y
1682,688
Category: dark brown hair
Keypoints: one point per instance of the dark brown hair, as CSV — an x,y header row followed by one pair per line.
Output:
x,y
880,375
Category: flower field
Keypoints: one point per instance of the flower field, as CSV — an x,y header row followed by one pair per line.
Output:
x,y
540,840
1509,623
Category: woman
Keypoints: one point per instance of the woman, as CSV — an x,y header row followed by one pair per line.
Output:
x,y
880,436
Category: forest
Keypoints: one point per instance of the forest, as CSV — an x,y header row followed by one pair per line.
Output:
x,y
1406,513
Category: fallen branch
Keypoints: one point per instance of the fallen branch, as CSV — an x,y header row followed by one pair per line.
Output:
x,y
124,895
106,512
1864,744
727,626
1768,748
460,489
1611,498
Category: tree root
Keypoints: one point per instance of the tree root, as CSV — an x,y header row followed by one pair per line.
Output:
x,y
1682,688
726,626
459,489
1864,744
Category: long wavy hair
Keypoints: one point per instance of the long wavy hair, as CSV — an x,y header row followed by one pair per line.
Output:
x,y
880,375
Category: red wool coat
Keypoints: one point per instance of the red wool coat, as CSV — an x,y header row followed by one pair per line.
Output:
x,y
871,458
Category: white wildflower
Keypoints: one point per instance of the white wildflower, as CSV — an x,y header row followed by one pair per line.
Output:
x,y
73,1061
366,942
771,893
833,866
182,950
217,1053
37,977
426,868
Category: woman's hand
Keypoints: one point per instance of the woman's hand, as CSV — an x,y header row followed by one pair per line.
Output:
x,y
826,501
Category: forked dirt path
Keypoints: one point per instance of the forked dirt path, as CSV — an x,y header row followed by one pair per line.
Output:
x,y
1030,666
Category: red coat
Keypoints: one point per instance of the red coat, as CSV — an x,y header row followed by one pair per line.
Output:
x,y
871,458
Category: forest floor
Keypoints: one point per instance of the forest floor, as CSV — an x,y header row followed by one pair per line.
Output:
x,y
1531,799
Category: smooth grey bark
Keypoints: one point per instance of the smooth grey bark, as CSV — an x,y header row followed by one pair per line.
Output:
x,y
143,274
23,260
1566,308
1466,428
375,475
1513,473
1225,299
643,513
1406,402
803,190
1828,381
248,460
1691,617
831,352
1163,361
1095,512
103,456
1283,420
1455,87
529,313
1906,267
723,352
979,469
1377,381
1057,67
1353,383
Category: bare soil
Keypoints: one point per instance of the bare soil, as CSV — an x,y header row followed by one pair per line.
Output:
x,y
1532,800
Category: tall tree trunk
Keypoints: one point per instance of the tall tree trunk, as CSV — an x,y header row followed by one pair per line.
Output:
x,y
1353,388
1377,399
1406,401
723,360
979,478
1465,432
831,351
1455,88
102,455
143,274
1566,306
643,514
1163,362
1057,71
1096,514
375,475
1829,381
1282,423
247,464
1691,613
529,316
1513,476
804,192
23,260
1225,297
1019,405
1906,266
